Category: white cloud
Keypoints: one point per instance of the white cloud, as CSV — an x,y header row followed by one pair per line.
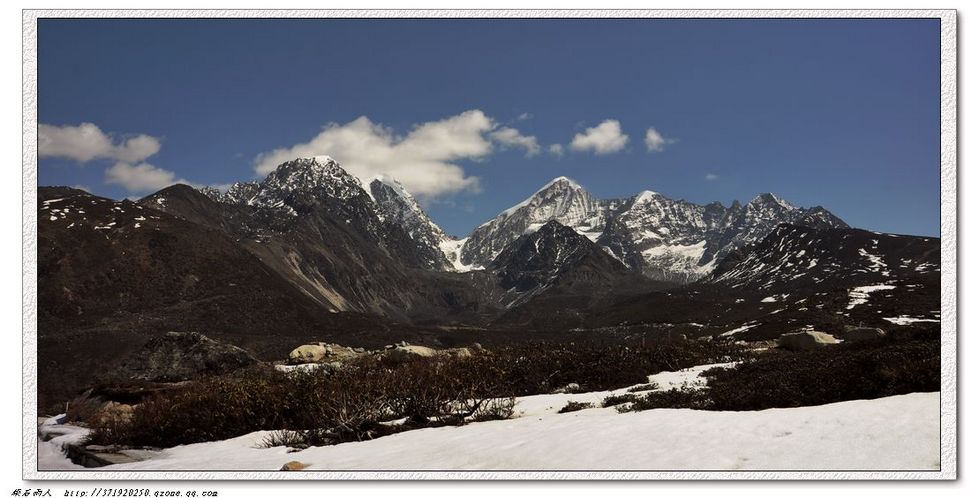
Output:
x,y
710,177
655,142
556,150
141,177
424,160
525,116
605,138
511,137
137,149
82,187
86,142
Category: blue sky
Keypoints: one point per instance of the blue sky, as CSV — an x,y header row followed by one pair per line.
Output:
x,y
470,114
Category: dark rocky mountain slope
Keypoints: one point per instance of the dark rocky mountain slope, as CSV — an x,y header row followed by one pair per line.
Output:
x,y
797,277
111,274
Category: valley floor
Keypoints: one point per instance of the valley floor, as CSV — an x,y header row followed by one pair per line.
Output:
x,y
894,433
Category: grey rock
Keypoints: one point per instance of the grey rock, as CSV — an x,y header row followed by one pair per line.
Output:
x,y
806,340
859,334
179,356
322,352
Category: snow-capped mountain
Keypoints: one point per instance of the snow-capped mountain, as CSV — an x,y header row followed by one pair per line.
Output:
x,y
666,239
382,212
396,206
317,226
561,200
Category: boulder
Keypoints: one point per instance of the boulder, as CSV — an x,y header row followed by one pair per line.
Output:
x,y
456,352
805,340
404,352
859,334
178,356
293,466
322,352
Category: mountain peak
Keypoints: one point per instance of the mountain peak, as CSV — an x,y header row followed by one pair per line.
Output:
x,y
646,196
325,164
562,180
554,188
374,183
318,175
770,198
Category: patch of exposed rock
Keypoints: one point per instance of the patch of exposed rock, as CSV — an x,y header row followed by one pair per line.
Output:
x,y
805,340
322,352
860,334
179,356
330,355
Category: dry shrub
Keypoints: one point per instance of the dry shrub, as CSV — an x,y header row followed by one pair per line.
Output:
x,y
574,406
829,375
618,399
368,397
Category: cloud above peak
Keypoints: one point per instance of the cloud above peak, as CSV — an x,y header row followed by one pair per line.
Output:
x,y
142,177
511,137
424,160
606,138
655,142
87,142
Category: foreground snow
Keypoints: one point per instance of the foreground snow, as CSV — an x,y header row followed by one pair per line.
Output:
x,y
894,433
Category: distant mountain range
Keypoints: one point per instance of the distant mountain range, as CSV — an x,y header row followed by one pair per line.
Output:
x,y
312,253
662,238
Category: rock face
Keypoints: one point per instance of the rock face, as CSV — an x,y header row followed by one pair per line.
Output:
x,y
805,340
178,356
398,207
322,352
554,255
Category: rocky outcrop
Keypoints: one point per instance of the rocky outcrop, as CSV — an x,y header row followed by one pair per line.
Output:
x,y
860,334
94,456
322,352
806,340
406,352
403,351
178,356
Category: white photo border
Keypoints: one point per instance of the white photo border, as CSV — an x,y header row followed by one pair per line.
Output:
x,y
949,245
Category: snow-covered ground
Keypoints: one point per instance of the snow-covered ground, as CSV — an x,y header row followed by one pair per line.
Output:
x,y
860,295
50,455
894,433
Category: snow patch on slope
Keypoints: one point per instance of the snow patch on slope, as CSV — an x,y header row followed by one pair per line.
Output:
x,y
860,295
